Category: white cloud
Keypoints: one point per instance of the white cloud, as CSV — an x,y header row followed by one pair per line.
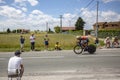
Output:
x,y
19,1
69,16
36,12
104,16
24,9
23,2
33,2
69,19
109,16
36,20
2,1
106,1
10,12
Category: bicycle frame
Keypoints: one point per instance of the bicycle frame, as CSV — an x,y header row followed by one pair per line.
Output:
x,y
79,48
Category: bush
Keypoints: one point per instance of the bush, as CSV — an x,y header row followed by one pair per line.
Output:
x,y
110,33
80,32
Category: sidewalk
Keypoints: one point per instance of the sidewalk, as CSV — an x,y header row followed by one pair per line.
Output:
x,y
83,74
71,77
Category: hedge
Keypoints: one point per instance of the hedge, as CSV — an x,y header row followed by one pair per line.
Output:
x,y
108,33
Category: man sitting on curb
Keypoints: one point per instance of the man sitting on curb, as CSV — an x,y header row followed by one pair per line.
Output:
x,y
15,66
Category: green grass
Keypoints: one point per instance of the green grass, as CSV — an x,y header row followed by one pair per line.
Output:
x,y
10,42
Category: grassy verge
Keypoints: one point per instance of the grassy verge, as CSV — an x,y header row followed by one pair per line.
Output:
x,y
10,42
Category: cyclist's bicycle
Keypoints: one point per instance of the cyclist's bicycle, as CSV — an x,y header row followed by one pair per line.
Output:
x,y
80,47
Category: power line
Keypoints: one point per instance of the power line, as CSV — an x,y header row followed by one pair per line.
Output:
x,y
86,6
89,3
93,6
76,14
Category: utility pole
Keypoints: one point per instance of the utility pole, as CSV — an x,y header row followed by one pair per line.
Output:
x,y
46,26
61,23
97,21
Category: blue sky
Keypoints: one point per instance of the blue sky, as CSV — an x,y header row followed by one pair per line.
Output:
x,y
34,14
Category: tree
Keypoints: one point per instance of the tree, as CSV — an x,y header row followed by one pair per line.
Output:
x,y
57,29
50,31
8,30
79,25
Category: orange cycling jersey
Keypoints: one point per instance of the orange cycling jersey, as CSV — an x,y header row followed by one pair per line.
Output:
x,y
84,37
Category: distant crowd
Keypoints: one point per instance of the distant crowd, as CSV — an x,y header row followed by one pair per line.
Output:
x,y
109,43
32,42
114,43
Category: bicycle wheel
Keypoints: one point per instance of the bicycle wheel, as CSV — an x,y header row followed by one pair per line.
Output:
x,y
91,49
77,49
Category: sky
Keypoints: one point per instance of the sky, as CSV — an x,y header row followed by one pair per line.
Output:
x,y
44,14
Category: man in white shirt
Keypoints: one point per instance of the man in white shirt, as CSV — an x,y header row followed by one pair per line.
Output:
x,y
15,65
32,40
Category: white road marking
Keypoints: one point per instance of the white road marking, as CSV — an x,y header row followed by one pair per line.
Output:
x,y
2,58
98,55
109,49
48,57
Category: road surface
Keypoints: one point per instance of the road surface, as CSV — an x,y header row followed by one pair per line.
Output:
x,y
65,65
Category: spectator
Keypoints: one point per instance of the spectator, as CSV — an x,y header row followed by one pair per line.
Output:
x,y
97,42
107,42
32,41
46,41
57,46
15,65
115,42
22,40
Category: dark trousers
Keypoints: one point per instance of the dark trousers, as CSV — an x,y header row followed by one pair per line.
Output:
x,y
32,46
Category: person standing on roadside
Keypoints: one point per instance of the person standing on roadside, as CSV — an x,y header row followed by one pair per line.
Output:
x,y
97,42
46,41
32,41
22,40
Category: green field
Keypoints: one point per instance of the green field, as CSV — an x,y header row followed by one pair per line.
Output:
x,y
11,42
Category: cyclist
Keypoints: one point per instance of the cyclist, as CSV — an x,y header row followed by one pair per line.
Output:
x,y
83,41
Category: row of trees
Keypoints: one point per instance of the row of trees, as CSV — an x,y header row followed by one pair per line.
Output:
x,y
79,25
17,31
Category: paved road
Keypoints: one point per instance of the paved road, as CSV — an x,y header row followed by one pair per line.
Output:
x,y
65,65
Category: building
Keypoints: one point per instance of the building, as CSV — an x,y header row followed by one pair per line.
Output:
x,y
107,25
64,29
23,30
